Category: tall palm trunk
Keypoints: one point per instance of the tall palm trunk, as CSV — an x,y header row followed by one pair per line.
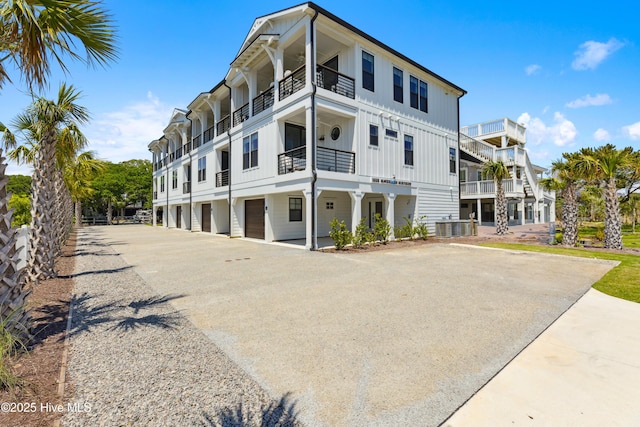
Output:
x,y
78,208
42,237
13,292
612,222
502,224
570,215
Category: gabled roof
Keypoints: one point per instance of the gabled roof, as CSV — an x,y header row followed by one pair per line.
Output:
x,y
260,22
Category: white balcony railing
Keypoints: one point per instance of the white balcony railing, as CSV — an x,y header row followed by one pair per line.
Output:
x,y
488,188
510,128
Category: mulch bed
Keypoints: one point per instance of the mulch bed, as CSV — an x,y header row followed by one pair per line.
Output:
x,y
40,367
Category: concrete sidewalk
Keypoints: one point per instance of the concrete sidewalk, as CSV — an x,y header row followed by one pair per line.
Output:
x,y
582,371
401,337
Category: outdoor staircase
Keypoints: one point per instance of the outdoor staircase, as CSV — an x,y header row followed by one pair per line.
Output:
x,y
479,149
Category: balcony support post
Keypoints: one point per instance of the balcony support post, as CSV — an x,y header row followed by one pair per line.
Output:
x,y
479,210
523,220
390,202
356,209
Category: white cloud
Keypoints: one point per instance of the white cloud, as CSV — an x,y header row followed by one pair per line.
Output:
x,y
592,53
590,101
601,135
562,132
632,131
125,134
532,69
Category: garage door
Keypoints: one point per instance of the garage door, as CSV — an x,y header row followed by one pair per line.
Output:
x,y
254,218
206,217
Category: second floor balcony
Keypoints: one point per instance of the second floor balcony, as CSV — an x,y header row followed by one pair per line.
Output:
x,y
327,159
222,178
487,188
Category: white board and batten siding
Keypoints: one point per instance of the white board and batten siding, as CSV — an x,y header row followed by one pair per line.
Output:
x,y
437,203
278,208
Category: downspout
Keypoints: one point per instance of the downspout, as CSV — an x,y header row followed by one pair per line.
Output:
x,y
229,159
314,173
459,183
190,182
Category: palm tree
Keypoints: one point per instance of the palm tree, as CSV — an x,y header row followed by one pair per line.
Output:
x,y
78,175
570,173
607,164
497,171
32,32
46,126
13,293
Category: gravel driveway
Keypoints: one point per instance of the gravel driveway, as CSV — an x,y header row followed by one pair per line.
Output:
x,y
381,338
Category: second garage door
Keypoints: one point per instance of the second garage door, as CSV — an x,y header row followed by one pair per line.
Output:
x,y
254,218
206,217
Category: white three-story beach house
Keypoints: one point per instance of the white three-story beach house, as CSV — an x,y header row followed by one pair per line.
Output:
x,y
315,119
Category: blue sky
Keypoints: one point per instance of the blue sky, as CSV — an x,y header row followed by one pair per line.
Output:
x,y
570,71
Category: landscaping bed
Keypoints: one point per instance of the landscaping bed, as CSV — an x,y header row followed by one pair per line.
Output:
x,y
39,368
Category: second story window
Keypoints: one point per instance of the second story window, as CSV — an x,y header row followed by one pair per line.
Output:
x,y
202,169
423,97
397,85
373,135
162,184
250,151
452,160
174,179
367,71
418,94
294,136
408,150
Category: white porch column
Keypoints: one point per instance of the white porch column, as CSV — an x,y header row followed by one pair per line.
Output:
x,y
356,208
538,207
479,210
390,201
523,219
309,138
269,205
154,212
308,216
235,218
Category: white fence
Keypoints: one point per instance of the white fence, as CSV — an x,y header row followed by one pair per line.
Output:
x,y
22,242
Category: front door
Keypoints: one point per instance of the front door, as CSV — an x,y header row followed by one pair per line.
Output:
x,y
375,207
178,216
206,217
254,218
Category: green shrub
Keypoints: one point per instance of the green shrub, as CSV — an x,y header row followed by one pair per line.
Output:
x,y
381,229
9,345
340,234
421,228
599,235
407,230
400,232
362,234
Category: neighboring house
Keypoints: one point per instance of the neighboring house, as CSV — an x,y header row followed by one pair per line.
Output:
x,y
503,139
315,119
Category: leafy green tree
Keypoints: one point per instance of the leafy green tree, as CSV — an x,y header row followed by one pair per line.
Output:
x,y
32,32
19,184
498,171
21,205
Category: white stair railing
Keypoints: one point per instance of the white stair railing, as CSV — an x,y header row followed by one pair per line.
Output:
x,y
476,148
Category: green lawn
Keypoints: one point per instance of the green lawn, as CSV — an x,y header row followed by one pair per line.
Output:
x,y
622,281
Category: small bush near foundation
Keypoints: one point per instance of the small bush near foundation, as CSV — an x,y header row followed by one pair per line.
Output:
x,y
381,229
421,228
340,234
362,234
